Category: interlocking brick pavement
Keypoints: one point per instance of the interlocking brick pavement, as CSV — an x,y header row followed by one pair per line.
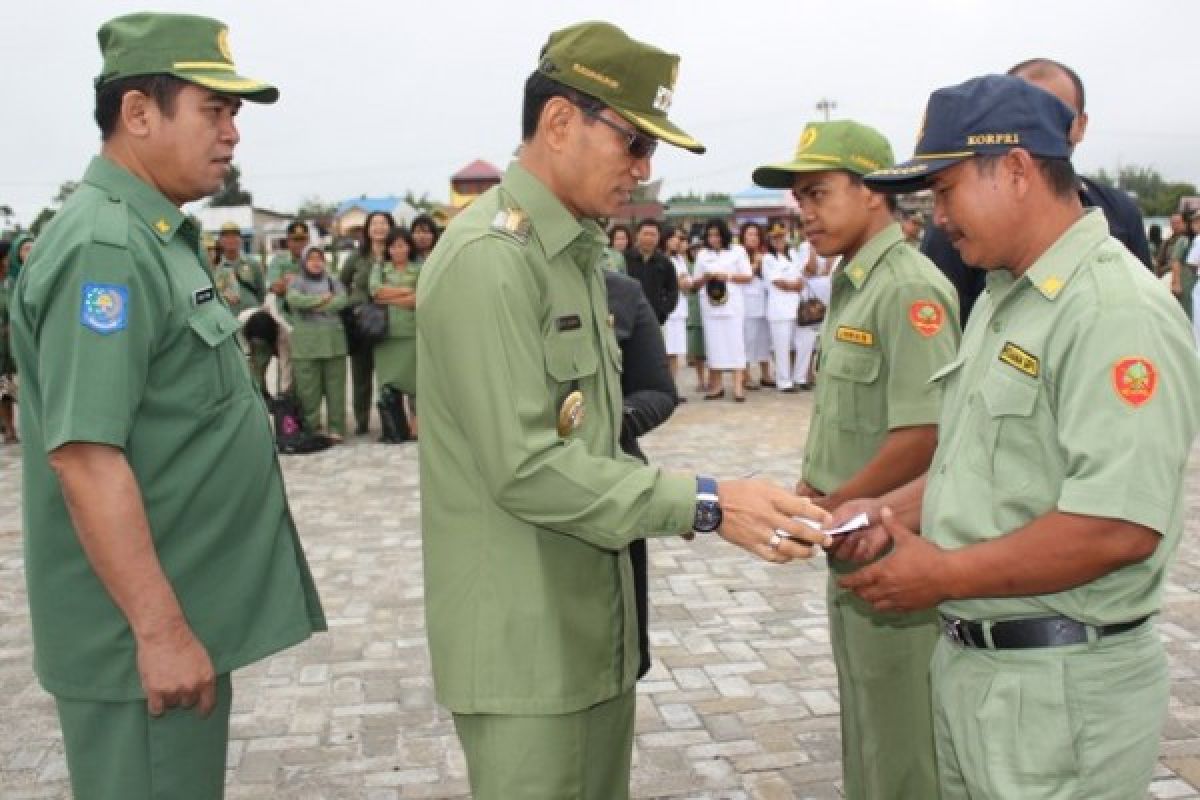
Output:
x,y
741,703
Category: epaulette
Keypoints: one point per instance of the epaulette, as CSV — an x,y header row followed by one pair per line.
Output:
x,y
513,223
111,224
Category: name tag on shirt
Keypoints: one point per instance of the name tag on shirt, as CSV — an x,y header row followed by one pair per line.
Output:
x,y
570,322
205,295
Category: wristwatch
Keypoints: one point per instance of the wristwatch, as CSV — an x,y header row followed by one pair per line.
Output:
x,y
708,506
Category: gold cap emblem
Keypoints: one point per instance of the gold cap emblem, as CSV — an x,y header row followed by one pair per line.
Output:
x,y
223,44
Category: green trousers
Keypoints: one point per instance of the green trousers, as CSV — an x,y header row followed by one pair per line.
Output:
x,y
117,751
320,379
579,756
1050,723
883,681
362,389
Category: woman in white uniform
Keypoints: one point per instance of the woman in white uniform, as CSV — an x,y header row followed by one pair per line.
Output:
x,y
758,334
723,270
675,329
814,272
1193,260
784,285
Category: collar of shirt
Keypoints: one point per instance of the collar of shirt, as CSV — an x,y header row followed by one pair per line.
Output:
x,y
859,269
1054,268
556,227
163,216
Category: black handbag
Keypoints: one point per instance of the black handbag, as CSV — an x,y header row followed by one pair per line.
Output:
x,y
811,311
368,323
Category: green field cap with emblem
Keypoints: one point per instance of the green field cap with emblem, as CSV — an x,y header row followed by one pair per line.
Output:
x,y
839,144
634,79
191,48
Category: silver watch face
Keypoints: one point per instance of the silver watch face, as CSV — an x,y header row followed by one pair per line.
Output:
x,y
708,517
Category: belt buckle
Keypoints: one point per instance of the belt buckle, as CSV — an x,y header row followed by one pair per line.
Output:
x,y
953,629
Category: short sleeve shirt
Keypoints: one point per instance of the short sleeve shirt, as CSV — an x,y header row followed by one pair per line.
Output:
x,y
122,340
1078,390
892,322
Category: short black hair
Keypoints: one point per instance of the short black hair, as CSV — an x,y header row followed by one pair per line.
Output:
x,y
857,180
650,223
429,223
539,89
1043,67
762,234
398,232
162,89
364,247
612,234
1058,173
722,230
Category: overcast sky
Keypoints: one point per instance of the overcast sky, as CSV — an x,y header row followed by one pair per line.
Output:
x,y
380,97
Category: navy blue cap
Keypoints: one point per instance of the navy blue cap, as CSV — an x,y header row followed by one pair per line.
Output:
x,y
988,115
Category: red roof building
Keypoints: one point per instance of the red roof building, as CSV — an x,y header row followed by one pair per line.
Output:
x,y
471,181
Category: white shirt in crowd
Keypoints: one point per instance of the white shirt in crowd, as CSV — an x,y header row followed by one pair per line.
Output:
x,y
782,304
681,271
729,262
755,295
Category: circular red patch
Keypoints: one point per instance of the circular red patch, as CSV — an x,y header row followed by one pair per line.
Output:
x,y
1135,380
927,316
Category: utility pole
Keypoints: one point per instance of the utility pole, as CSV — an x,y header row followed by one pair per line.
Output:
x,y
825,105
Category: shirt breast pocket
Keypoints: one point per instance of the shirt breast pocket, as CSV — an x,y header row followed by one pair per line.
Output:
x,y
1011,448
218,357
854,375
571,363
570,357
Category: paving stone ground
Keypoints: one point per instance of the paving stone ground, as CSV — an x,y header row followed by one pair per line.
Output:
x,y
741,703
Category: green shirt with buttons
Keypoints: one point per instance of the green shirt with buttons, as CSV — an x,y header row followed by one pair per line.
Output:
x,y
242,279
892,322
1077,390
527,512
122,340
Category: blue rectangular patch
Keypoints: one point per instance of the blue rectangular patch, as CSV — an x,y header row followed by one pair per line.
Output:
x,y
104,307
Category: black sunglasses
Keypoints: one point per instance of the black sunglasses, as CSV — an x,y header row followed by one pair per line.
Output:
x,y
637,144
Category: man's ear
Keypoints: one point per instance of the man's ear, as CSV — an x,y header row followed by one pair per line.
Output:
x,y
555,122
138,112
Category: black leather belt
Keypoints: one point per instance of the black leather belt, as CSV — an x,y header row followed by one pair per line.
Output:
x,y
1014,634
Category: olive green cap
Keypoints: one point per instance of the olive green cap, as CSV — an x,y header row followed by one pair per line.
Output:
x,y
839,144
191,48
634,79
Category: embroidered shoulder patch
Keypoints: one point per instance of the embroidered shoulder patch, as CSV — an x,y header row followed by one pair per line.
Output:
x,y
1020,360
927,317
845,333
104,307
1135,380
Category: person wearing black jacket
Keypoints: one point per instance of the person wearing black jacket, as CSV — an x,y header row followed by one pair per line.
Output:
x,y
650,398
653,269
1124,219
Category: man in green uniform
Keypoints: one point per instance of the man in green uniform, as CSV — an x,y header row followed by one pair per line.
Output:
x,y
240,282
283,268
1055,498
891,323
160,553
1183,275
246,290
528,507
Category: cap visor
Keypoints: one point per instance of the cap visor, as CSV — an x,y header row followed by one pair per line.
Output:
x,y
661,128
231,83
783,176
910,176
